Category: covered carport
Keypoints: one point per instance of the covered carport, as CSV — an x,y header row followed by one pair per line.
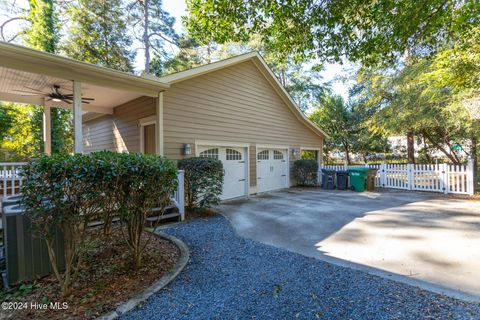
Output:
x,y
39,78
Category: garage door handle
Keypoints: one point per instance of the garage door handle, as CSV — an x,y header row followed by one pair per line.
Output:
x,y
241,180
284,175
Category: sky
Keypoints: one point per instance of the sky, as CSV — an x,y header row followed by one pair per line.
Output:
x,y
333,73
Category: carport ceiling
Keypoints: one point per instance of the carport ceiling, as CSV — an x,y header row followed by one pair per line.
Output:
x,y
25,87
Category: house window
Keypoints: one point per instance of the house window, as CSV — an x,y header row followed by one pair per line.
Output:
x,y
233,154
263,155
277,155
210,153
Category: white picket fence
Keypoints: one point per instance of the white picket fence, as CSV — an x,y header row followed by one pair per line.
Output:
x,y
10,180
444,178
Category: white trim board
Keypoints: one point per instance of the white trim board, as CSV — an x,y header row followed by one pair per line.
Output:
x,y
219,144
141,124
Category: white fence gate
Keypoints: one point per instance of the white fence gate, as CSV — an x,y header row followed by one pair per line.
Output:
x,y
444,178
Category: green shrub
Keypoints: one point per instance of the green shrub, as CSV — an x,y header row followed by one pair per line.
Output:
x,y
62,192
203,182
68,192
146,182
305,172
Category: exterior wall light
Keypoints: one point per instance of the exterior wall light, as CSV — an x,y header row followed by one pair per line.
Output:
x,y
187,149
295,152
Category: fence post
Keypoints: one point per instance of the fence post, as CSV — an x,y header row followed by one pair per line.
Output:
x,y
470,178
446,180
181,194
409,177
382,175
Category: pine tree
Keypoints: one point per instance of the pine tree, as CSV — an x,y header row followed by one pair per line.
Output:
x,y
153,27
98,34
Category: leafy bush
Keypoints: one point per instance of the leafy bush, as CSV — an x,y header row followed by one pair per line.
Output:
x,y
61,192
305,172
146,182
68,192
203,181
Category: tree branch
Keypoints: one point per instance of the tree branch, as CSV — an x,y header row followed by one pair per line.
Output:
x,y
4,24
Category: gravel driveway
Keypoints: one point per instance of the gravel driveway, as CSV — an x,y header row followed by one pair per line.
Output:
x,y
229,277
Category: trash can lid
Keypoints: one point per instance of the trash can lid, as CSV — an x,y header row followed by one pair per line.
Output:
x,y
359,169
328,171
342,172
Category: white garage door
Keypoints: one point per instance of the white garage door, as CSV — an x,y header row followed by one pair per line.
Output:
x,y
235,168
271,169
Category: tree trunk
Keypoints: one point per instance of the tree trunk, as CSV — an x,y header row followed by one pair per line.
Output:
x,y
347,153
410,148
146,40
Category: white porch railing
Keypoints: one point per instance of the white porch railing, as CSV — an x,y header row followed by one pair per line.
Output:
x,y
444,178
10,180
179,195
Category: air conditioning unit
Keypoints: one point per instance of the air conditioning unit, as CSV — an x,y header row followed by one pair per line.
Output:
x,y
25,254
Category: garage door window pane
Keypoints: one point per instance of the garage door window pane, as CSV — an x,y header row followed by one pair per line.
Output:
x,y
277,155
233,155
263,155
210,153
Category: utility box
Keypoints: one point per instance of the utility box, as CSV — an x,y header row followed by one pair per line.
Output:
x,y
26,255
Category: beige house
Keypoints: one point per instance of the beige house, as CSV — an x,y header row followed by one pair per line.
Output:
x,y
234,110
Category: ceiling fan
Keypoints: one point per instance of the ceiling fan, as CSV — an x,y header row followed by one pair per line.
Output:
x,y
55,95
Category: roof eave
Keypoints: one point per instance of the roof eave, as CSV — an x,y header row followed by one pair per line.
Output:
x,y
34,61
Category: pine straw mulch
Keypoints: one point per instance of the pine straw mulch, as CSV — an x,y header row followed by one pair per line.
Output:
x,y
105,280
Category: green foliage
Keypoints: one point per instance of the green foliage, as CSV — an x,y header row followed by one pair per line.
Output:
x,y
365,31
305,172
61,192
426,96
145,182
43,33
67,192
98,34
203,181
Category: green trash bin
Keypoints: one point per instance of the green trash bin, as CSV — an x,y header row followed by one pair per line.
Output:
x,y
358,179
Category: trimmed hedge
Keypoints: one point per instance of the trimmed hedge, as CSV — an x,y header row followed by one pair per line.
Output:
x,y
69,191
305,172
203,181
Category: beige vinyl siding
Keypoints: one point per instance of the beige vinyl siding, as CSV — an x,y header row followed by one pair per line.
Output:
x,y
235,104
98,134
124,132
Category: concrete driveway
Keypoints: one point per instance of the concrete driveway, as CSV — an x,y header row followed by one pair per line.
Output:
x,y
418,238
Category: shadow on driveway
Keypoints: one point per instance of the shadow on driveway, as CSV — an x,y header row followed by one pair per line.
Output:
x,y
418,238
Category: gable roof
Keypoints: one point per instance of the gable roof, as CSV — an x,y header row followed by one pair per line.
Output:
x,y
262,66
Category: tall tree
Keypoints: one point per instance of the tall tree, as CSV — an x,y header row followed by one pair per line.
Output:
x,y
98,34
369,31
335,117
44,34
153,27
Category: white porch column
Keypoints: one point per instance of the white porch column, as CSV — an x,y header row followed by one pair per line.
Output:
x,y
77,117
47,129
159,126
